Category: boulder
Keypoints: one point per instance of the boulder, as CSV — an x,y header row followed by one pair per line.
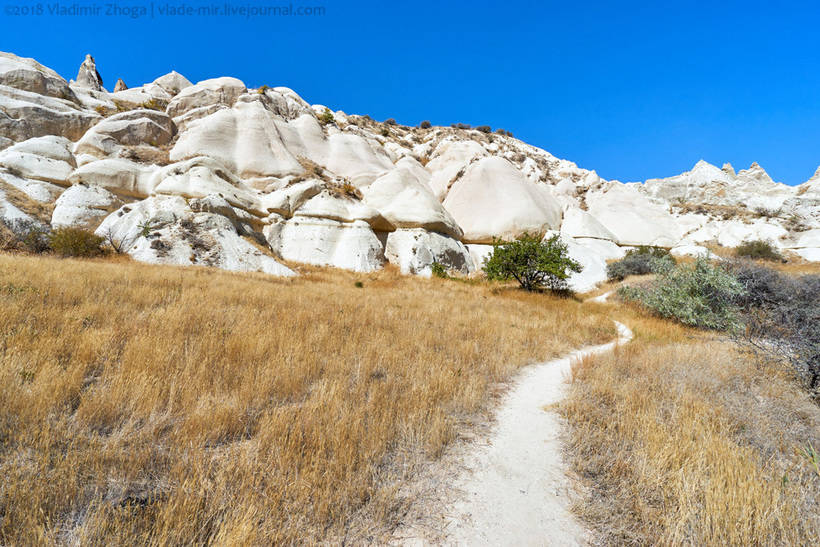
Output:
x,y
88,77
41,158
26,114
286,200
408,203
222,91
328,204
244,138
286,103
120,86
83,206
202,176
149,96
133,128
173,83
415,250
164,230
632,217
579,223
118,175
29,75
493,199
325,242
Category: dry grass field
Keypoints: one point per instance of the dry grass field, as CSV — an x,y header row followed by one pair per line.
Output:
x,y
682,440
154,405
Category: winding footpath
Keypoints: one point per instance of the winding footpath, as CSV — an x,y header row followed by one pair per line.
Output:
x,y
512,488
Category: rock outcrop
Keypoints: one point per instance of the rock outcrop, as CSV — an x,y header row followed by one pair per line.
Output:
x,y
88,77
213,173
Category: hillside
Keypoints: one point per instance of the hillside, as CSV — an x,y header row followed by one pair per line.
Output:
x,y
217,174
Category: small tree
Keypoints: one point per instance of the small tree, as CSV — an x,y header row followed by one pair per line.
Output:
x,y
532,262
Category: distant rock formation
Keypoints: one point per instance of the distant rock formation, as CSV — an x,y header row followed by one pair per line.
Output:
x,y
217,174
88,77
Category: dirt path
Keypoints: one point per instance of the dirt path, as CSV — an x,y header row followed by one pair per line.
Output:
x,y
510,488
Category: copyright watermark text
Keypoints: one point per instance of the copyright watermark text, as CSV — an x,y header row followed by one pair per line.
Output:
x,y
153,10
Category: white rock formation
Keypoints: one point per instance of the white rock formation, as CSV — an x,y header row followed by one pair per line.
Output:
x,y
407,202
632,217
494,199
214,166
164,230
88,77
415,250
133,128
83,206
325,242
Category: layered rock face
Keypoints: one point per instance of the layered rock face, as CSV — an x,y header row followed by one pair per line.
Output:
x,y
216,174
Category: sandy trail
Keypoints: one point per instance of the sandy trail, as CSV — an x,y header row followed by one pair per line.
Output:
x,y
512,488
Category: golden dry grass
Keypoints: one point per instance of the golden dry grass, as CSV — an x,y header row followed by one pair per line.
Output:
x,y
151,405
681,440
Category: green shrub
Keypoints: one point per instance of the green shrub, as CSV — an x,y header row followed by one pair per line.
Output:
x,y
532,262
640,261
390,121
327,117
699,295
439,270
758,250
425,124
484,128
75,242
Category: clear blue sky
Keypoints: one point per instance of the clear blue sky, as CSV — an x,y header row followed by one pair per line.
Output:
x,y
632,89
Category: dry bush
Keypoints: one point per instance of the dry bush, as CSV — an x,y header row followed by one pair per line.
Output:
x,y
154,405
682,441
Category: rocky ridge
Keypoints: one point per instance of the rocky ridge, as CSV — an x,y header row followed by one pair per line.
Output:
x,y
217,174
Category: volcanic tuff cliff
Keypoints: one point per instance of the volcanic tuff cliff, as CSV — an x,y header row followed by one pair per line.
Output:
x,y
214,173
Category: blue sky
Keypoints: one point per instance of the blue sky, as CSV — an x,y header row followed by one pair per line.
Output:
x,y
634,90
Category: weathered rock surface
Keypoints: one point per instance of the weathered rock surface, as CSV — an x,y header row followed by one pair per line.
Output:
x,y
164,230
415,250
632,217
88,77
493,199
408,203
214,165
326,242
83,206
133,128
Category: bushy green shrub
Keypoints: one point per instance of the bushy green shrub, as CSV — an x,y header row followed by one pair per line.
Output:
x,y
484,128
75,242
326,117
533,263
640,261
391,121
439,270
425,124
699,295
758,249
